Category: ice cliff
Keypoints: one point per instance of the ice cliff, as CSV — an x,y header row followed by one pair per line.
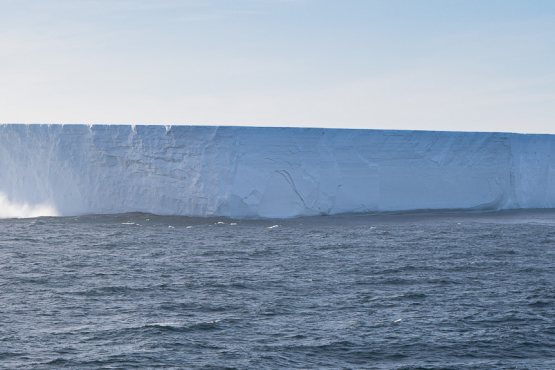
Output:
x,y
248,172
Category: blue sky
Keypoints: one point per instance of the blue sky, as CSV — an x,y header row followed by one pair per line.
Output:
x,y
468,65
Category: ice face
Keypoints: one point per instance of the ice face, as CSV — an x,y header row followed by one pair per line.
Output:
x,y
248,172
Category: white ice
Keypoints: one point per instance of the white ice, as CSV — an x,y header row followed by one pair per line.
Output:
x,y
247,172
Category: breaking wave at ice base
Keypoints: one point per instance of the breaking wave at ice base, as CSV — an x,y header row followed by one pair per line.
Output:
x,y
10,209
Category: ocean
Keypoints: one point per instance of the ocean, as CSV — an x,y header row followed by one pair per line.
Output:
x,y
390,291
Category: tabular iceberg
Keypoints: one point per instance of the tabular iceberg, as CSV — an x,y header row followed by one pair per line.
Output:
x,y
249,172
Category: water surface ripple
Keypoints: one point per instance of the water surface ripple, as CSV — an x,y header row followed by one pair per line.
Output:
x,y
411,291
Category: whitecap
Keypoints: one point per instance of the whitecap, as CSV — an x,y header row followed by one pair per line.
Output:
x,y
163,324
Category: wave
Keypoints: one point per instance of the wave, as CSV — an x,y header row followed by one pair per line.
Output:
x,y
24,210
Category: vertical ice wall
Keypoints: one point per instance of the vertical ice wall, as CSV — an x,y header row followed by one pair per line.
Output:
x,y
270,172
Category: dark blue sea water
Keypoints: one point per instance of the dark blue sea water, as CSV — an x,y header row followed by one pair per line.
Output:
x,y
407,291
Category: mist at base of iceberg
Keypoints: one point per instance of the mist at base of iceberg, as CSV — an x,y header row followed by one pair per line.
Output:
x,y
249,172
14,210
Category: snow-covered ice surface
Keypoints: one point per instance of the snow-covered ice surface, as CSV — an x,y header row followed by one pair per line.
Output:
x,y
248,172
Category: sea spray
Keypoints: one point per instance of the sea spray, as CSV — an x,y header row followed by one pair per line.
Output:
x,y
10,209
